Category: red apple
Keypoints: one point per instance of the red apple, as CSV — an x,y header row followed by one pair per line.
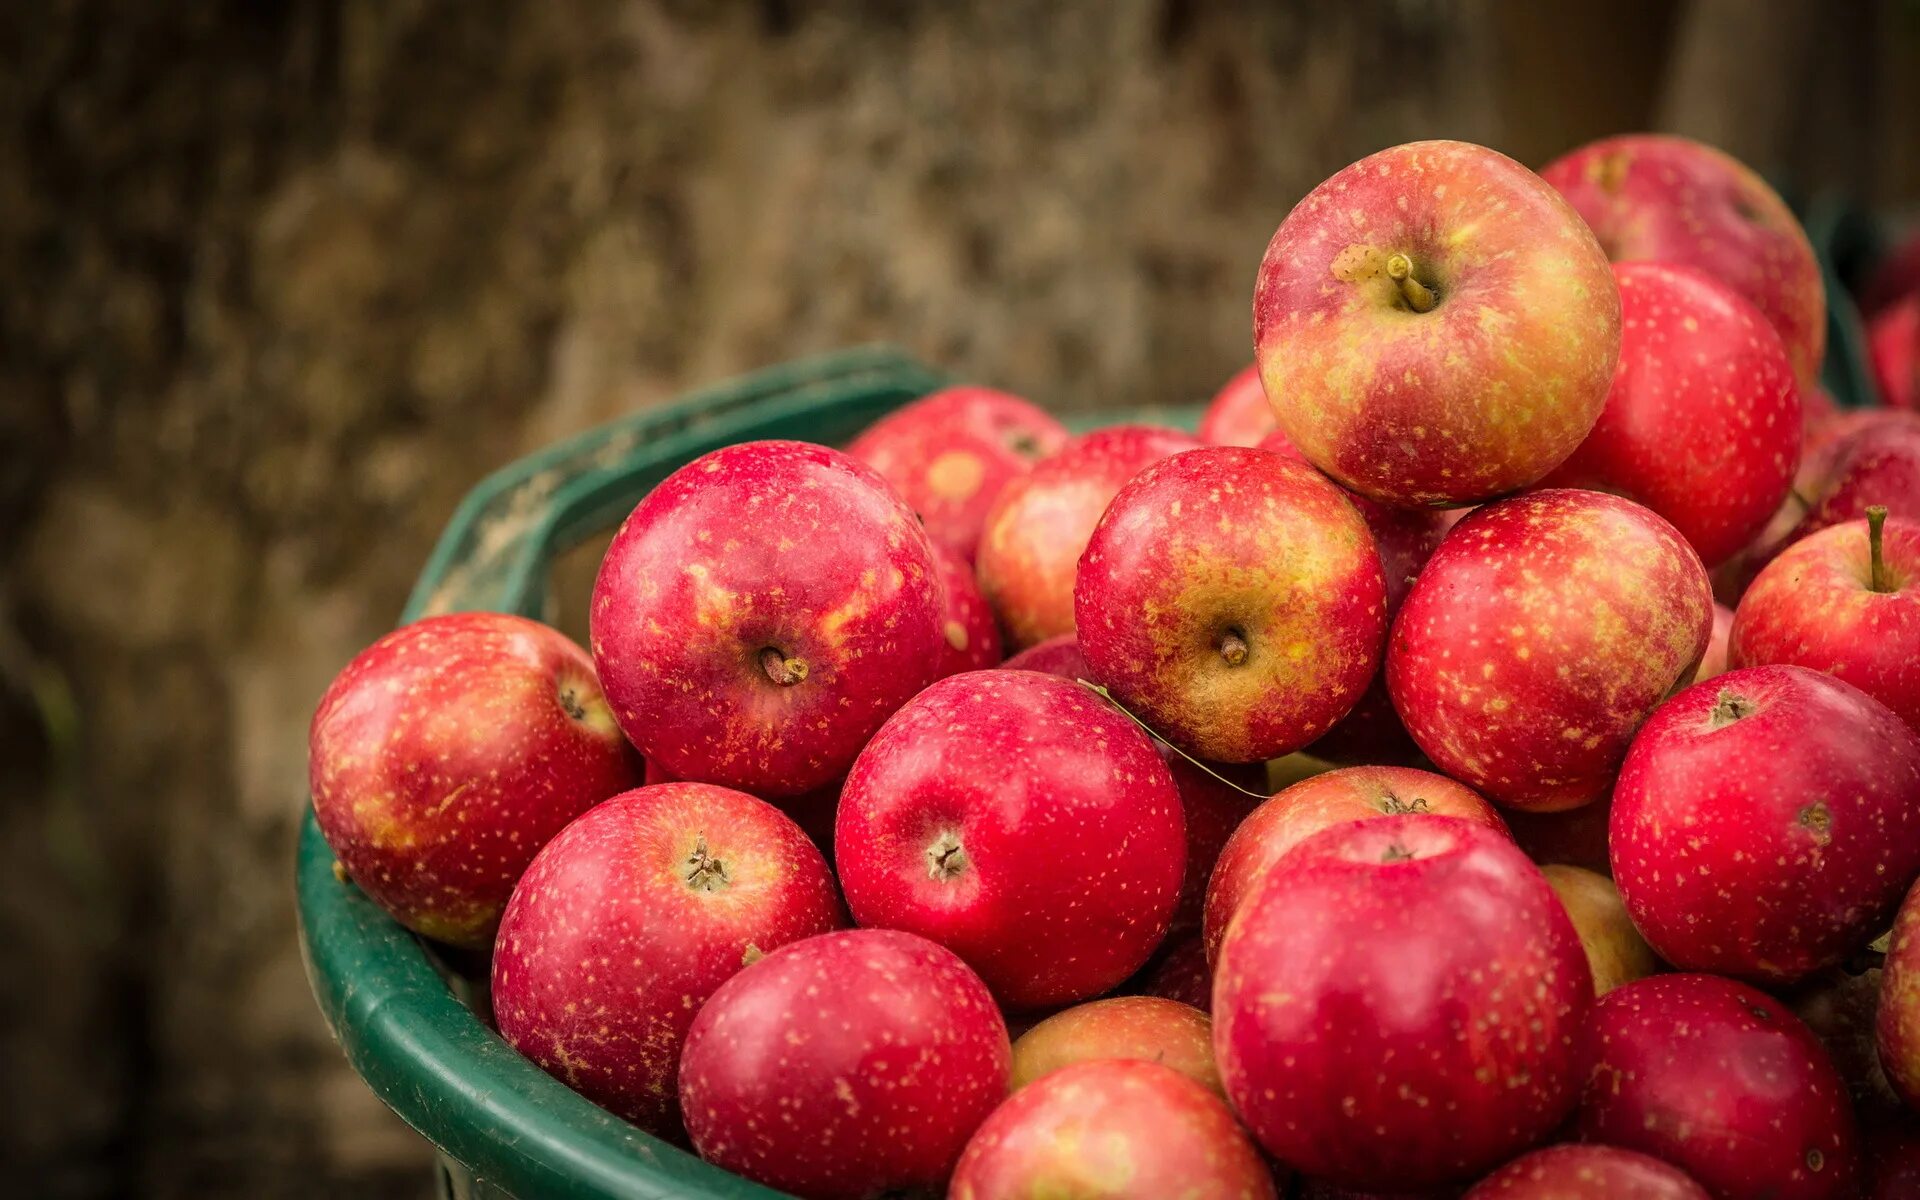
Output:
x,y
1616,953
1720,1080
1541,633
1766,823
1702,424
844,1066
1572,1172
1143,1027
949,454
1233,600
447,753
1117,1129
761,612
1179,972
628,921
1878,463
1893,349
1056,656
1395,1004
1314,804
1846,601
972,637
1897,1023
1020,821
1435,325
1238,414
1038,527
1714,661
1892,1153
1668,199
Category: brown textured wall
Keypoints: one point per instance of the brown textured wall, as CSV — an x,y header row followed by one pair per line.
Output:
x,y
281,280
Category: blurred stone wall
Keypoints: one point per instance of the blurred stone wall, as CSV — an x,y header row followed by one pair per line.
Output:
x,y
279,281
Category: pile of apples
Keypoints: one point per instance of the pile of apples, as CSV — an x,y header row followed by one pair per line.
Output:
x,y
1594,905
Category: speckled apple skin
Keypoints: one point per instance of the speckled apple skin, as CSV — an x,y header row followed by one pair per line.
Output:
x,y
1702,424
1767,872
949,454
845,1066
1573,1172
970,635
1897,1020
1722,1081
608,949
1478,397
1118,1129
1068,825
1878,464
1313,804
1396,1002
1143,1027
1540,635
447,753
1041,522
1056,656
1179,972
1670,199
1814,607
1893,350
1616,953
1238,414
1242,540
782,545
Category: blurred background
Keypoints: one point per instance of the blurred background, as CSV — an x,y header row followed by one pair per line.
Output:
x,y
280,280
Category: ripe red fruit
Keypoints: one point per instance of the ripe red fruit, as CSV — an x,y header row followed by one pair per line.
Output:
x,y
1112,1130
447,753
1839,1006
1721,1081
1395,1004
1140,1027
1651,196
1234,600
1316,803
1893,349
1767,874
1541,633
1023,823
627,922
1587,1173
845,1065
968,628
1897,1020
1056,656
1616,953
1846,601
1038,527
1435,325
949,454
1238,414
1877,463
761,612
1180,972
1702,424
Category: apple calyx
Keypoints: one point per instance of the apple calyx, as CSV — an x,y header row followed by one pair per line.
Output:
x,y
1419,297
569,698
705,873
1233,648
1394,806
946,858
1728,708
782,670
1395,852
1877,579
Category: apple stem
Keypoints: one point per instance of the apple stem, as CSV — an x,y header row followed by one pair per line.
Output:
x,y
782,670
1877,580
1419,296
1233,648
1104,694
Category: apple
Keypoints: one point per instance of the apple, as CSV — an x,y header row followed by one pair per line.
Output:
x,y
972,638
1897,1020
844,1065
447,753
1714,661
1435,326
1023,823
1892,1154
1845,600
1179,972
1702,424
1722,1081
1118,1129
1616,953
1878,463
1893,350
1036,530
812,811
1056,656
1669,199
1574,1172
949,454
628,921
1232,599
1314,804
1839,1005
761,612
1395,1004
1766,823
1542,632
1238,414
1143,1027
